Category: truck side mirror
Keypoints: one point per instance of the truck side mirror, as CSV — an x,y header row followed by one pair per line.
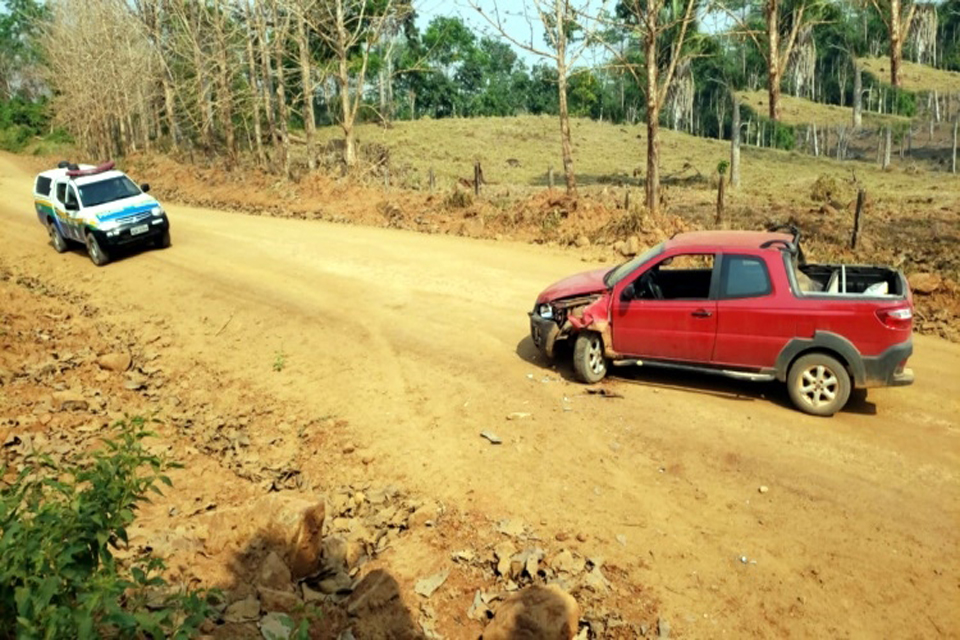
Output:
x,y
629,293
145,187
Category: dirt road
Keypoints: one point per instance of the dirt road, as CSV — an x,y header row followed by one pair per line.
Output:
x,y
420,342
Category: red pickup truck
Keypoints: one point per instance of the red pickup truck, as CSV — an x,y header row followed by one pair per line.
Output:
x,y
743,304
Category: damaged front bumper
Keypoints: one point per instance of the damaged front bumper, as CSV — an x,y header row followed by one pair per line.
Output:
x,y
544,332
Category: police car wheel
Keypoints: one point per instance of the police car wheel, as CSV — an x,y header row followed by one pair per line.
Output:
x,y
97,255
56,239
163,242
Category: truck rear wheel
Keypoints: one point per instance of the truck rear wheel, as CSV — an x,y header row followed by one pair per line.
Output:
x,y
818,384
589,363
97,255
56,238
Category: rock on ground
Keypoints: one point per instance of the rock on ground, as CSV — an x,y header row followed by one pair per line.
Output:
x,y
536,613
118,362
305,558
925,283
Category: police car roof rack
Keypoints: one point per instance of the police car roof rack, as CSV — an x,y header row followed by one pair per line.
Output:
x,y
75,172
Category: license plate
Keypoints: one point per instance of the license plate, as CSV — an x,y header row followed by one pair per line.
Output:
x,y
137,230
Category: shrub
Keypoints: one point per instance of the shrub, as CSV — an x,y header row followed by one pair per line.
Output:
x,y
59,528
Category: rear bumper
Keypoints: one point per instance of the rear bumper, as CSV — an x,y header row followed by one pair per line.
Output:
x,y
886,370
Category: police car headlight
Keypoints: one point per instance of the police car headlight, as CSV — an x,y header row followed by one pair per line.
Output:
x,y
157,211
109,225
545,311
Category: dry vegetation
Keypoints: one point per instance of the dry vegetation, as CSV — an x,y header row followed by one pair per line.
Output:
x,y
799,111
916,77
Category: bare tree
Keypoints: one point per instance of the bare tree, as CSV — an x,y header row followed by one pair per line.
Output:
x,y
560,19
100,45
350,29
775,49
644,19
898,16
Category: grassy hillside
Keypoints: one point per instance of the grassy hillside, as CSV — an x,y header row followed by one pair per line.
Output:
x,y
915,77
798,111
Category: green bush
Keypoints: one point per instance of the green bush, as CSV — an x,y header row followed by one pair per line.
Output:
x,y
15,137
59,527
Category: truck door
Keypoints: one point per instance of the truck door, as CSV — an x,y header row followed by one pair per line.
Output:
x,y
750,330
61,217
669,312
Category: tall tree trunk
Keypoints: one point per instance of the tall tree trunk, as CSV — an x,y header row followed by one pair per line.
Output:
x,y
255,96
857,96
896,43
225,90
735,143
346,119
773,62
306,75
282,102
265,74
652,190
169,109
566,146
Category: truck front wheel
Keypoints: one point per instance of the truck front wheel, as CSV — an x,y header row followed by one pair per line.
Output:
x,y
589,363
97,255
818,384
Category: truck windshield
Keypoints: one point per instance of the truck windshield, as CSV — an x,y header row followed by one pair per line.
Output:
x,y
617,274
107,191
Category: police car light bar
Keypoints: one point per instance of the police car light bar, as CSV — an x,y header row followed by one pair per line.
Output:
x,y
106,166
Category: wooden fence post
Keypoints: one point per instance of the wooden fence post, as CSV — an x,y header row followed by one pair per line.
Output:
x,y
477,177
861,196
550,177
433,180
953,164
626,201
720,203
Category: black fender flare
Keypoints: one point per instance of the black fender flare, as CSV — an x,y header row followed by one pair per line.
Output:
x,y
825,341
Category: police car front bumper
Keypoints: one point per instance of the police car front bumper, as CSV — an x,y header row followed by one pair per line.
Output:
x,y
135,233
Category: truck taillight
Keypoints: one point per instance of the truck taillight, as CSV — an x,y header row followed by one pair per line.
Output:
x,y
901,318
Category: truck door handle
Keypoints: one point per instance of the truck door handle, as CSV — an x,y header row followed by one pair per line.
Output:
x,y
702,313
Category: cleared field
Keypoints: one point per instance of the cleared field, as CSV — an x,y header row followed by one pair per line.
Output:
x,y
799,111
916,77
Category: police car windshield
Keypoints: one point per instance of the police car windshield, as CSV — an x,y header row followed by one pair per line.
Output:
x,y
107,191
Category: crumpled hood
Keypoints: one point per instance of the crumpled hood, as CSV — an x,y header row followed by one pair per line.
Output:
x,y
576,285
122,208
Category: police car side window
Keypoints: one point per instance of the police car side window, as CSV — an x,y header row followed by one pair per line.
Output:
x,y
61,192
72,196
43,185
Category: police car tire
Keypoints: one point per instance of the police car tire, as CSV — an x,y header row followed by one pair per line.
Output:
x,y
56,238
163,242
97,255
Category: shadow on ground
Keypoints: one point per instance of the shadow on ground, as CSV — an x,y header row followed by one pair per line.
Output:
x,y
686,381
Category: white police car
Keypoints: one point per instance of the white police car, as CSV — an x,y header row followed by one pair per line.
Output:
x,y
99,207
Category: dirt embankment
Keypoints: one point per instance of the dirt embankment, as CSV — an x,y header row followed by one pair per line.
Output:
x,y
234,516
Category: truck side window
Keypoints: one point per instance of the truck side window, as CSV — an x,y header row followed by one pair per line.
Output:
x,y
43,186
61,192
744,277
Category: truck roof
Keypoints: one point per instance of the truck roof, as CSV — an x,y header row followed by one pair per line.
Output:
x,y
722,239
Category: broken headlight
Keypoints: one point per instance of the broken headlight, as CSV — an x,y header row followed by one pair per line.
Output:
x,y
545,311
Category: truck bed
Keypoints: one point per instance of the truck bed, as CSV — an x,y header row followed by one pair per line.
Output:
x,y
851,280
